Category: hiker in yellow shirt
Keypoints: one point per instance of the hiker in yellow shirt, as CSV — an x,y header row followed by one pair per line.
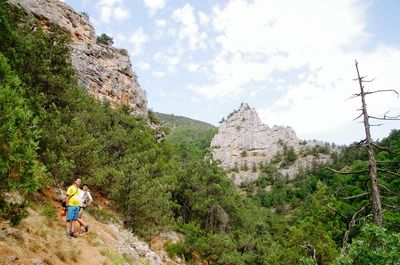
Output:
x,y
73,204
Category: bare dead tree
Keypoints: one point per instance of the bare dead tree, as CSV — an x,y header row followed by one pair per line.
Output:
x,y
350,223
311,252
370,145
375,195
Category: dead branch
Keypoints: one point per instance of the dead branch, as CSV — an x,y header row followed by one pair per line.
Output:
x,y
364,217
389,172
354,196
339,213
347,172
359,116
337,191
381,90
310,251
392,206
386,188
385,118
348,230
369,81
386,148
394,117
361,143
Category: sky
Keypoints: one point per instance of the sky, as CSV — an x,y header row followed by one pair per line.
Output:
x,y
293,61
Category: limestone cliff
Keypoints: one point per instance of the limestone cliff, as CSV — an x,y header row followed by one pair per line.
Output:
x,y
244,144
105,72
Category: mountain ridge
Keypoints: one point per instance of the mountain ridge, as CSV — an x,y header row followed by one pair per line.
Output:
x,y
173,121
244,145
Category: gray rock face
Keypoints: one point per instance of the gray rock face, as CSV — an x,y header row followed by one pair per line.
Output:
x,y
138,251
243,143
56,12
105,72
107,75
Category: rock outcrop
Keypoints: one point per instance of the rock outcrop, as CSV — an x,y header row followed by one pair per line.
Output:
x,y
244,144
105,72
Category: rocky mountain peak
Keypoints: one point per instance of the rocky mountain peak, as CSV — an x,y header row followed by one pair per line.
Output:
x,y
105,72
244,144
245,117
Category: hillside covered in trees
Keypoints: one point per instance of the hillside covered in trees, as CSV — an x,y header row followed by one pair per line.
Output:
x,y
51,132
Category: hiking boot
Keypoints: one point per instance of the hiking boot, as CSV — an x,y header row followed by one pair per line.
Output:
x,y
86,228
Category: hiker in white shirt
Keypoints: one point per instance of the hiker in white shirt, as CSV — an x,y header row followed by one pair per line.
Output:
x,y
85,199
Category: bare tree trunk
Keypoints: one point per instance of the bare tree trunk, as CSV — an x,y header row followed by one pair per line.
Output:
x,y
311,252
349,227
375,196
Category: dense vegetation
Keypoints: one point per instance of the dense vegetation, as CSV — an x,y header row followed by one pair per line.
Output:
x,y
51,131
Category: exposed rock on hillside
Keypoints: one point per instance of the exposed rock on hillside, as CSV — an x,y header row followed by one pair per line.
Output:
x,y
104,71
244,144
41,238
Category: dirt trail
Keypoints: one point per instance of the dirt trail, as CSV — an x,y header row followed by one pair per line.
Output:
x,y
41,238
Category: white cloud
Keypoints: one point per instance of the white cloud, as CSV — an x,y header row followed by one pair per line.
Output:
x,y
110,9
192,67
203,18
154,5
383,64
195,99
230,76
138,39
120,14
312,49
158,74
189,29
143,65
161,23
105,14
119,39
270,27
321,101
170,59
263,37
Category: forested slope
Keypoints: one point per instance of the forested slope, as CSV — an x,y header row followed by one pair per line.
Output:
x,y
51,131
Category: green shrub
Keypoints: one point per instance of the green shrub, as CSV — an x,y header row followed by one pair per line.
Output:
x,y
123,52
14,212
375,245
101,214
105,39
175,249
49,211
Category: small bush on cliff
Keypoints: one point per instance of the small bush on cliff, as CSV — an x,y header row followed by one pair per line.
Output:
x,y
289,156
105,39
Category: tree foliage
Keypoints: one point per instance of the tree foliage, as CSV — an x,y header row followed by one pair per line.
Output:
x,y
105,39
